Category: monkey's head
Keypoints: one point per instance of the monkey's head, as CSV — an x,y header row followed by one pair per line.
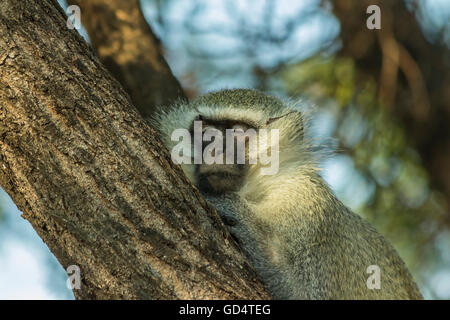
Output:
x,y
224,141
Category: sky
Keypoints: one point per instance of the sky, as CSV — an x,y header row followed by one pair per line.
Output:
x,y
28,270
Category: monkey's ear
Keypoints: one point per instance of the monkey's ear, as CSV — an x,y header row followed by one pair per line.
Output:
x,y
291,123
270,120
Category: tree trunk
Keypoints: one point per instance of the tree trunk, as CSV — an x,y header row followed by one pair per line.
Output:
x,y
92,178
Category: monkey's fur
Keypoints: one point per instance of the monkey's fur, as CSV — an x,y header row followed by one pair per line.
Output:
x,y
303,242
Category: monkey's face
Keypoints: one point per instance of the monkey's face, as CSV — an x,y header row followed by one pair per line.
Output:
x,y
225,156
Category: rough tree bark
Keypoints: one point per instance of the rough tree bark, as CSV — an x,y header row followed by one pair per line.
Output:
x,y
127,46
92,178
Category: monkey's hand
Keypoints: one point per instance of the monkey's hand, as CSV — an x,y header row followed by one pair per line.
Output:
x,y
234,214
251,236
228,218
234,227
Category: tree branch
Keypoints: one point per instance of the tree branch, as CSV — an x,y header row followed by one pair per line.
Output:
x,y
127,46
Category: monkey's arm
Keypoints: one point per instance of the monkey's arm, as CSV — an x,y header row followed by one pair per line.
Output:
x,y
313,255
251,235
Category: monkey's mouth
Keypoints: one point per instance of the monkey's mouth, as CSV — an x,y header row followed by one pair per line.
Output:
x,y
220,178
220,170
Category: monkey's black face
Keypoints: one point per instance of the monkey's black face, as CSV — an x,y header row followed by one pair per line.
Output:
x,y
222,177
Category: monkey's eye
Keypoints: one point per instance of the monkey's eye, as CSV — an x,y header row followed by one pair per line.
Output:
x,y
210,128
239,128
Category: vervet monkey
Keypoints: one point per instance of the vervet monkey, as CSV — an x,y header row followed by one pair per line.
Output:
x,y
302,241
